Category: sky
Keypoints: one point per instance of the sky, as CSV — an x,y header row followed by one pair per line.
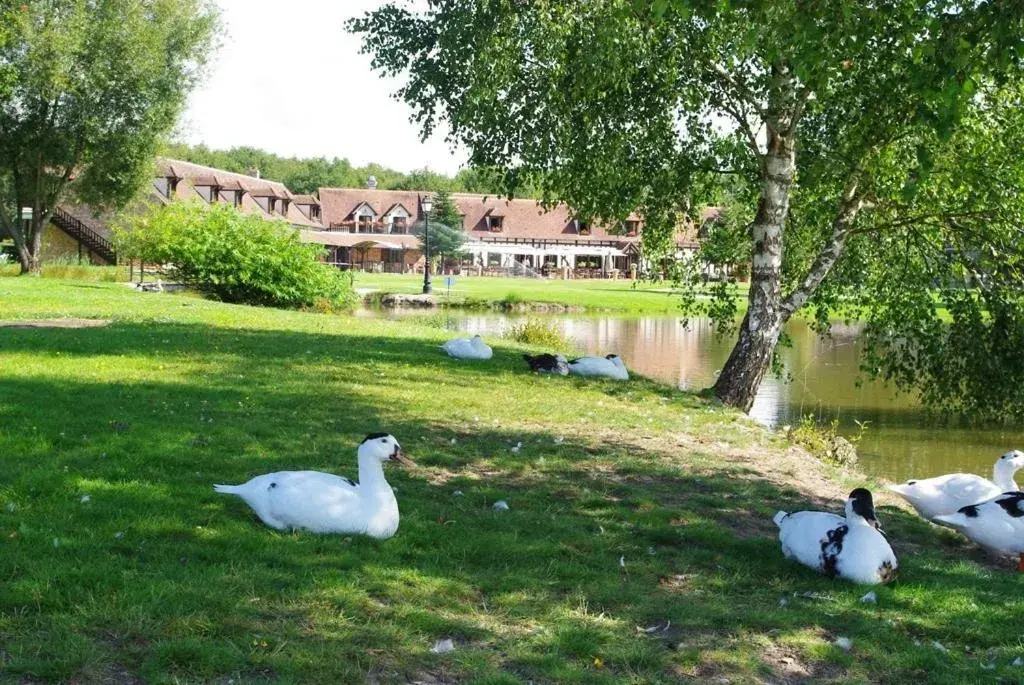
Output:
x,y
289,79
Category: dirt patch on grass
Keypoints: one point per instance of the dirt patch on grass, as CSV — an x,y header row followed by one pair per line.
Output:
x,y
56,323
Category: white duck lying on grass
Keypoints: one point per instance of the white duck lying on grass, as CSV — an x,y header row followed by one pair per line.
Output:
x,y
851,548
468,348
942,495
609,366
325,503
997,524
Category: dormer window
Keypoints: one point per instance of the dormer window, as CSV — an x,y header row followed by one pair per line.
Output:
x,y
364,224
314,212
208,192
284,206
582,227
399,224
496,224
238,198
166,185
632,227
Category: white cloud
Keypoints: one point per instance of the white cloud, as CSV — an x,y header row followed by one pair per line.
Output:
x,y
289,79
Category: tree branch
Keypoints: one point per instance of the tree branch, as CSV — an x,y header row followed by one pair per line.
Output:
x,y
842,224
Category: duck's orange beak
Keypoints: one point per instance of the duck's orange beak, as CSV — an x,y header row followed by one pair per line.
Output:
x,y
399,456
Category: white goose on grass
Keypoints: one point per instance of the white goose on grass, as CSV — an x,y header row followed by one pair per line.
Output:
x,y
942,495
851,548
468,348
609,366
326,503
996,524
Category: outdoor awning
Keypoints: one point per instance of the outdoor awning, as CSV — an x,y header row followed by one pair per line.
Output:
x,y
382,244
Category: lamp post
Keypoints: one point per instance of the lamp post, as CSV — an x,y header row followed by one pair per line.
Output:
x,y
426,203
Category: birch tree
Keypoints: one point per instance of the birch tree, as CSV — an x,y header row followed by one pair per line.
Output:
x,y
832,115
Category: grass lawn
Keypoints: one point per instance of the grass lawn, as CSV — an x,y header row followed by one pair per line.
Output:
x,y
631,506
603,294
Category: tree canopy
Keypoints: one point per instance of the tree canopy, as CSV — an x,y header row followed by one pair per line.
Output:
x,y
309,174
87,90
867,148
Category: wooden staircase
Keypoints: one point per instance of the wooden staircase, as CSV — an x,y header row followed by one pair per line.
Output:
x,y
84,235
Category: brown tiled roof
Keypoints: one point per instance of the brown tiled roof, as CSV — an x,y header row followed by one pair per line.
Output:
x,y
525,219
305,200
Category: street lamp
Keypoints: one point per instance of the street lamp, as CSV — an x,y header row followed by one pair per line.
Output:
x,y
426,203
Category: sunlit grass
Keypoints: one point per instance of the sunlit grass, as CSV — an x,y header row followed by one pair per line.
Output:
x,y
631,505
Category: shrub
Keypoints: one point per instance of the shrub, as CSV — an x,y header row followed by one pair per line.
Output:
x,y
237,257
540,333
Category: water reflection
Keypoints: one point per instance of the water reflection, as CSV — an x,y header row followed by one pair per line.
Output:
x,y
900,441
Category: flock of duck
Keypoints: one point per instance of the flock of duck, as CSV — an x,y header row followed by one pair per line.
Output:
x,y
852,547
990,513
610,366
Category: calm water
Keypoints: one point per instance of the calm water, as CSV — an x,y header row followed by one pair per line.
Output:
x,y
900,442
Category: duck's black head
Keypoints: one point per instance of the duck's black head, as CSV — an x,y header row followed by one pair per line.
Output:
x,y
862,504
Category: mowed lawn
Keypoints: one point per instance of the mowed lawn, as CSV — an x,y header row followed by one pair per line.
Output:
x,y
600,294
638,545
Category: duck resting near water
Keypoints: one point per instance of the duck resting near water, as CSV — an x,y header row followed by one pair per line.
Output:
x,y
325,503
852,548
943,495
548,363
996,524
468,348
609,366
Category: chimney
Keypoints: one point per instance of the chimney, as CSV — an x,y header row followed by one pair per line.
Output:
x,y
371,183
254,172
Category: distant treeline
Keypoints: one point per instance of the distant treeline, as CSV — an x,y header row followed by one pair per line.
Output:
x,y
306,175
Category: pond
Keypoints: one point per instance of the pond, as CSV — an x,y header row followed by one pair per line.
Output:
x,y
898,442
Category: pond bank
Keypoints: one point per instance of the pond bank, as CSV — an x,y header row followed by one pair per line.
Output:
x,y
638,545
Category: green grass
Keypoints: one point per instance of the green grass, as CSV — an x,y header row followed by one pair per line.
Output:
x,y
157,578
596,294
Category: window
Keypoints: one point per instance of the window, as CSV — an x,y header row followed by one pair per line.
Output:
x,y
399,224
496,223
493,259
588,261
208,193
632,227
365,224
163,186
390,256
314,212
238,198
582,227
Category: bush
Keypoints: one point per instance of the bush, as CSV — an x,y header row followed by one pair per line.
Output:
x,y
236,257
540,333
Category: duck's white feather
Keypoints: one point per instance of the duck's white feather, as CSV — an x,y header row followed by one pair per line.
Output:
x,y
326,503
943,495
604,367
850,548
997,524
468,348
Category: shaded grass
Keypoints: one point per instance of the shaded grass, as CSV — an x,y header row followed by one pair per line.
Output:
x,y
156,577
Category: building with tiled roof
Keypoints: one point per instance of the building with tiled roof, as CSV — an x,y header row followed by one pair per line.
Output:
x,y
367,228
371,228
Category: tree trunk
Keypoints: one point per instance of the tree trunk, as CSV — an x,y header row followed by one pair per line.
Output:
x,y
759,333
